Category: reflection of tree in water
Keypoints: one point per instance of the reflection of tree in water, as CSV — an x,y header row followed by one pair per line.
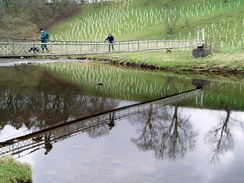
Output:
x,y
220,137
148,133
166,132
39,99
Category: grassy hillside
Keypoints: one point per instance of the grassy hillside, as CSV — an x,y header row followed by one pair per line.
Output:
x,y
156,19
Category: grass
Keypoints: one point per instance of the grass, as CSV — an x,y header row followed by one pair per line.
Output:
x,y
164,19
154,19
181,60
14,171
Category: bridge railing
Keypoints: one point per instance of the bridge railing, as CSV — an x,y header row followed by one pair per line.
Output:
x,y
84,48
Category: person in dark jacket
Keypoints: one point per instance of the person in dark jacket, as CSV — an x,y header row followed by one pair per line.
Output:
x,y
44,39
110,40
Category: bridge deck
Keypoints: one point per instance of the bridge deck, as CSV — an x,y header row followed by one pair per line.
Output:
x,y
37,140
18,49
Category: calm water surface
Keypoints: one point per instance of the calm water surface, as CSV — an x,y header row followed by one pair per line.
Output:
x,y
194,140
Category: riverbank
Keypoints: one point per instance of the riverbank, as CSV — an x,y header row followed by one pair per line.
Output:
x,y
14,171
231,62
228,62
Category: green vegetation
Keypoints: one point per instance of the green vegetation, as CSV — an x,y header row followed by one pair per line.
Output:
x,y
164,19
157,19
14,171
126,20
181,61
145,19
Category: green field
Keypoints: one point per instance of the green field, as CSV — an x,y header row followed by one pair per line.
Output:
x,y
156,19
229,61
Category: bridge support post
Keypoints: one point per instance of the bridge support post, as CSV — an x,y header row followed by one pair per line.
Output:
x,y
80,48
13,48
201,35
119,46
128,47
51,48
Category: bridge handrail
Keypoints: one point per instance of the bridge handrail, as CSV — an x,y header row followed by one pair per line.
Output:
x,y
100,43
71,48
15,39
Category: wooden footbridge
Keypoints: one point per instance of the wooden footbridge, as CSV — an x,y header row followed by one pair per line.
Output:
x,y
18,48
44,138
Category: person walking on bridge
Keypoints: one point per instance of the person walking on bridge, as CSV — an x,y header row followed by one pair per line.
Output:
x,y
110,40
44,39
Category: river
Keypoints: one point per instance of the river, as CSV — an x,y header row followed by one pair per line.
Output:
x,y
199,139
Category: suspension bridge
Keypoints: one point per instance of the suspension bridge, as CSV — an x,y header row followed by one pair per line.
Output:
x,y
30,48
26,144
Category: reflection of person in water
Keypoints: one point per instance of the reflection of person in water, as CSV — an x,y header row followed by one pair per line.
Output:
x,y
111,123
48,145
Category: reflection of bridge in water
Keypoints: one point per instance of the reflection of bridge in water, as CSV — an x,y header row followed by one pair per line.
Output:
x,y
29,143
